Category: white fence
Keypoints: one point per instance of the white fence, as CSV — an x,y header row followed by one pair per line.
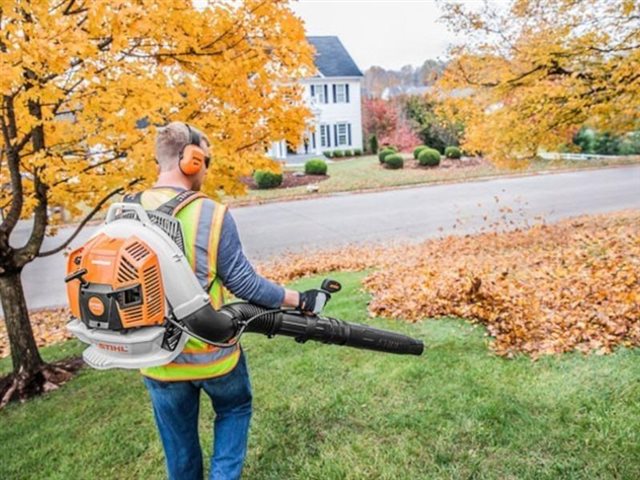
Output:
x,y
576,156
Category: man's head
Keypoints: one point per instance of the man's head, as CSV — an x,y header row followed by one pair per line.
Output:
x,y
171,142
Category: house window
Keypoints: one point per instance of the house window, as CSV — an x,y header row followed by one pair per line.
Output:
x,y
324,136
341,93
342,136
319,92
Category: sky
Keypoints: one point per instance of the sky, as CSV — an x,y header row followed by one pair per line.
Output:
x,y
387,33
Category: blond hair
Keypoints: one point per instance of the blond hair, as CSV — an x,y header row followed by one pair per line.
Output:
x,y
170,142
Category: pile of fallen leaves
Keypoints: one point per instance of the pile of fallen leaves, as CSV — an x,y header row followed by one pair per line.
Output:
x,y
549,289
48,327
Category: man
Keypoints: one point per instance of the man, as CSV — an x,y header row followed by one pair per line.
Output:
x,y
214,251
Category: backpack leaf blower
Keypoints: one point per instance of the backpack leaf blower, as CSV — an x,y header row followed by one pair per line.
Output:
x,y
135,300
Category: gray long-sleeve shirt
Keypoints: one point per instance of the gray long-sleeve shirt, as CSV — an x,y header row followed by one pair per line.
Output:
x,y
237,273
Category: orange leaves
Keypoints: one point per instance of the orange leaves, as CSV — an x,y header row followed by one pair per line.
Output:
x,y
550,289
535,72
48,328
101,70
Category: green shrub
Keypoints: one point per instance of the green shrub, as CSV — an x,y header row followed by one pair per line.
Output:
x,y
357,152
338,153
373,144
382,154
417,151
328,154
315,166
265,179
394,161
429,157
452,152
348,153
390,147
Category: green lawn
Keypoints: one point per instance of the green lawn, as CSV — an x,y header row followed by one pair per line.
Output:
x,y
365,173
325,412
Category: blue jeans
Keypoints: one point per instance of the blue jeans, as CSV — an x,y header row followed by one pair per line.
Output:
x,y
176,406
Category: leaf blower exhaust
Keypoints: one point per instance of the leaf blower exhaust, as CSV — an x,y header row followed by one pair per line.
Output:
x,y
135,300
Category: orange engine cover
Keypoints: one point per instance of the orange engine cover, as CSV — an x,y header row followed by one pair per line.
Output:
x,y
121,272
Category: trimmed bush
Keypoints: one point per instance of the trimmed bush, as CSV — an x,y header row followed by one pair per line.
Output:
x,y
338,153
382,154
373,144
417,151
390,147
265,179
429,157
315,166
452,152
357,152
348,153
394,161
328,154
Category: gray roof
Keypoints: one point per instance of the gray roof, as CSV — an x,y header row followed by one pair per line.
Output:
x,y
332,59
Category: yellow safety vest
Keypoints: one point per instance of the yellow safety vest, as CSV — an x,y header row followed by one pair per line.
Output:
x,y
201,222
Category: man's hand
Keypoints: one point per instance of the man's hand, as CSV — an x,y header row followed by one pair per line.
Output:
x,y
313,301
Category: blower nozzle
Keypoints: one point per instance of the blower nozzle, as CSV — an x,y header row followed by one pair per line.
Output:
x,y
245,317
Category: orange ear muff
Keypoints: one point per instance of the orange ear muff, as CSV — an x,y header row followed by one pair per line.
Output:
x,y
192,160
192,157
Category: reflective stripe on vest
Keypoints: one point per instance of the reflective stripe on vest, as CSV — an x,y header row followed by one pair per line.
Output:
x,y
201,222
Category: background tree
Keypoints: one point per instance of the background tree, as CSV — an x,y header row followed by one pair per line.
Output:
x,y
538,70
379,118
377,79
387,122
434,129
79,80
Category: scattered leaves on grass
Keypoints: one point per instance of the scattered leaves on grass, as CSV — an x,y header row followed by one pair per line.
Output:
x,y
549,289
48,327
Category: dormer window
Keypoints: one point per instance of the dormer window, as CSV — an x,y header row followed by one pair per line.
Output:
x,y
320,93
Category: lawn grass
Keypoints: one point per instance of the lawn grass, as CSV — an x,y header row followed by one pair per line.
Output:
x,y
365,173
325,412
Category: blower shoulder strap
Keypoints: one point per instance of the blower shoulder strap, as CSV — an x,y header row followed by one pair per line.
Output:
x,y
171,207
177,203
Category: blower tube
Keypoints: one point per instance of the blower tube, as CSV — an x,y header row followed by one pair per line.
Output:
x,y
234,319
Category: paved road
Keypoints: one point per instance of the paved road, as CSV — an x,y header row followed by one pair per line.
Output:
x,y
409,214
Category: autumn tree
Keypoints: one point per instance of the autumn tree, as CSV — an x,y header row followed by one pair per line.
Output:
x,y
387,120
81,79
535,71
434,130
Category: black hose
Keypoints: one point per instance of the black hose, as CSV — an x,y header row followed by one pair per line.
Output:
x,y
291,323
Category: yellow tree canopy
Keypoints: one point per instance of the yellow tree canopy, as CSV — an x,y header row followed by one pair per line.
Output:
x,y
79,76
527,76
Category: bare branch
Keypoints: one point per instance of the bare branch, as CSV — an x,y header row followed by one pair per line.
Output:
x,y
13,163
86,219
27,253
91,167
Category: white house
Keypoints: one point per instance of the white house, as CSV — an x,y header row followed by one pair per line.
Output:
x,y
334,98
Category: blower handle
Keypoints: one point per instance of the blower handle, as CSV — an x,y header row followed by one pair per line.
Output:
x,y
119,208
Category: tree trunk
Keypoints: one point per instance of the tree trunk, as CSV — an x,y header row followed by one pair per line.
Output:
x,y
31,375
24,352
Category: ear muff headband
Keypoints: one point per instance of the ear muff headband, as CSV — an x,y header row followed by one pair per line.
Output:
x,y
192,157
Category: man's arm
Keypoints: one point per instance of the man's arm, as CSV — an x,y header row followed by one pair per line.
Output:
x,y
239,276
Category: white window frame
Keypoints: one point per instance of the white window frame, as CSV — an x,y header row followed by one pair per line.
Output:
x,y
323,135
342,135
318,91
341,93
